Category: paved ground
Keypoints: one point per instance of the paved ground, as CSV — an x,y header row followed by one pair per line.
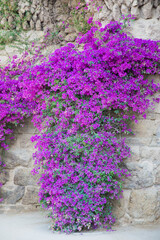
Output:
x,y
34,226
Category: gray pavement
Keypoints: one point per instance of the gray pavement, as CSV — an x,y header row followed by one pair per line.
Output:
x,y
35,226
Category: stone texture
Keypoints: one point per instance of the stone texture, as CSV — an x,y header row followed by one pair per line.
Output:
x,y
10,21
147,10
25,25
73,3
28,127
157,212
152,29
141,198
31,196
12,194
70,37
146,29
144,130
15,157
103,14
34,17
70,29
38,25
116,12
156,3
11,51
120,207
124,10
32,24
28,16
157,13
3,21
128,2
142,203
157,175
135,153
135,11
4,60
4,176
23,177
135,3
109,4
142,2
150,153
141,175
41,16
49,12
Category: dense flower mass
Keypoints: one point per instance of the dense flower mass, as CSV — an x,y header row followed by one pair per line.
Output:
x,y
82,101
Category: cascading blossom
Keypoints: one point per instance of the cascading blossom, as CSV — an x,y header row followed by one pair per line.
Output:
x,y
82,101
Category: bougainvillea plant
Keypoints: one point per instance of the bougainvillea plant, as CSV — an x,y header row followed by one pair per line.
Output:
x,y
82,102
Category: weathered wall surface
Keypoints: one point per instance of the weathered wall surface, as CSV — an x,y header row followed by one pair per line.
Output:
x,y
141,196
114,9
37,14
20,190
41,14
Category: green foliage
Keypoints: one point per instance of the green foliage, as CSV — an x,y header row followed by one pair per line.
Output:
x,y
7,37
79,20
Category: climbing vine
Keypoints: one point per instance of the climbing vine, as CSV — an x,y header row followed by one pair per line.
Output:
x,y
82,103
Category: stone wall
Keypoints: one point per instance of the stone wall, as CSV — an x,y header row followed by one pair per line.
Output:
x,y
20,190
141,196
114,9
37,14
41,14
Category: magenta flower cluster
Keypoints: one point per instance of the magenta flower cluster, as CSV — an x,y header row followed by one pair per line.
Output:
x,y
82,101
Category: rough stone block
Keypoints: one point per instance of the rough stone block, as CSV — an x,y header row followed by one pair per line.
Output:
x,y
150,153
12,194
38,25
157,212
24,141
70,29
144,130
4,177
116,12
135,3
135,11
28,126
142,203
32,24
152,29
120,206
70,37
142,2
109,4
31,196
4,60
128,2
141,175
147,10
146,29
73,3
156,3
23,177
157,175
124,10
14,157
25,25
135,153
